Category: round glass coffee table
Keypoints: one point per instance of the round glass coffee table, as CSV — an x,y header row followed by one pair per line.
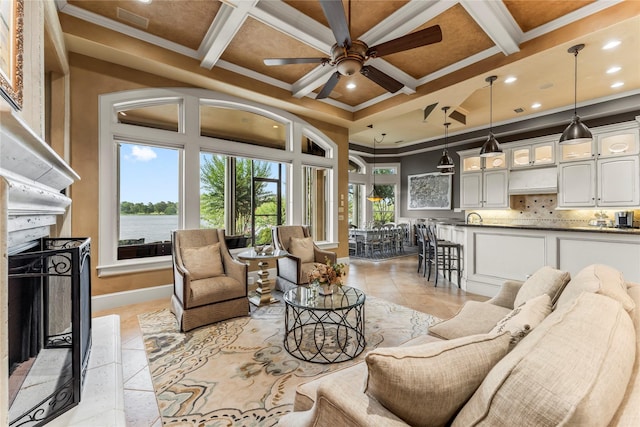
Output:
x,y
324,328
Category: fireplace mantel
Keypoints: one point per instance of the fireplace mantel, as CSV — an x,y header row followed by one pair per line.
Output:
x,y
34,177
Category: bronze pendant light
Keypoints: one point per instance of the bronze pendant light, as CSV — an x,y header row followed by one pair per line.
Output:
x,y
445,164
374,196
577,132
491,147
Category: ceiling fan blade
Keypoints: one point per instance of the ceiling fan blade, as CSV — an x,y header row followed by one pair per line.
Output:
x,y
384,80
334,11
287,61
329,85
410,41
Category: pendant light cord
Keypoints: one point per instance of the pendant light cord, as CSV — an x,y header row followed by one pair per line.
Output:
x,y
575,82
491,107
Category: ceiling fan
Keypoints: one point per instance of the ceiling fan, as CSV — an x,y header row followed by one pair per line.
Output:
x,y
349,56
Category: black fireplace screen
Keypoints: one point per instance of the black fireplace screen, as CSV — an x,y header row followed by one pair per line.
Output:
x,y
49,329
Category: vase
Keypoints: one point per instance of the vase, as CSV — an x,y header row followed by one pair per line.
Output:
x,y
326,289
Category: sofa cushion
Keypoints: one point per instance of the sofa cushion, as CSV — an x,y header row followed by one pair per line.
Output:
x,y
203,262
427,384
521,320
599,279
572,369
302,248
628,413
473,318
546,280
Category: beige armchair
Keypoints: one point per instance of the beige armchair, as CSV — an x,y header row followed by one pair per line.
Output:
x,y
303,254
209,285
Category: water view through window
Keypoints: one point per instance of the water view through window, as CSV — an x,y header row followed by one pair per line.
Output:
x,y
148,200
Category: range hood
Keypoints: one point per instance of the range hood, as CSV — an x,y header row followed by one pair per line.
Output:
x,y
534,181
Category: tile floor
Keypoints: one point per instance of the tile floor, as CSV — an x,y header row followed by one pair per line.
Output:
x,y
395,280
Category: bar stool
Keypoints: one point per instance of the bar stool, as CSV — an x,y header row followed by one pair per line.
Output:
x,y
446,256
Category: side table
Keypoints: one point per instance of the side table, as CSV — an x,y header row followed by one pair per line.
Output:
x,y
263,292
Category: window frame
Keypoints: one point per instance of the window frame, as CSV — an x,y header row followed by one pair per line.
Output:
x,y
190,143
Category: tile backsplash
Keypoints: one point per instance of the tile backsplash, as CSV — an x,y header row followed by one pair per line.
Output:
x,y
541,210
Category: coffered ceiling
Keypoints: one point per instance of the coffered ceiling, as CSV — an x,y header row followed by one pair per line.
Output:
x,y
223,44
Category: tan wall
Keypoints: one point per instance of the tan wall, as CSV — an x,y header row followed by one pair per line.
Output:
x,y
91,78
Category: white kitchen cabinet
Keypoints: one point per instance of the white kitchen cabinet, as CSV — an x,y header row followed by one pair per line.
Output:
x,y
606,182
533,155
577,184
495,189
483,181
616,144
618,181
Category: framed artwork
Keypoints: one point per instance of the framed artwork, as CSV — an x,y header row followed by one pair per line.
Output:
x,y
429,191
11,34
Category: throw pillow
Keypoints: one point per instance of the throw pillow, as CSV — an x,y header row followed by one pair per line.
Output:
x,y
203,262
427,384
302,248
546,280
599,279
523,319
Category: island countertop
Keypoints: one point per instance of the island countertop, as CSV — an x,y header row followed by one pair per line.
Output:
x,y
590,229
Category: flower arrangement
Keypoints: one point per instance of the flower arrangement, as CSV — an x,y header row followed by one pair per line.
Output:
x,y
327,273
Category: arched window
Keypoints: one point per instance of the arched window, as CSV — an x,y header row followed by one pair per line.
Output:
x,y
191,158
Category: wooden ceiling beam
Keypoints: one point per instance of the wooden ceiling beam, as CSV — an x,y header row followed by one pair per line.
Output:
x,y
223,29
496,21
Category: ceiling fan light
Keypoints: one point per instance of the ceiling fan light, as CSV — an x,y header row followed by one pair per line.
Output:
x,y
491,147
445,161
349,66
576,133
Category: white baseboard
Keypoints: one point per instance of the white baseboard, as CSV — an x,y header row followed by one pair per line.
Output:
x,y
118,299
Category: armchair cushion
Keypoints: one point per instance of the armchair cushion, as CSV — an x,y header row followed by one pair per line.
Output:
x,y
215,289
546,280
203,262
426,385
302,248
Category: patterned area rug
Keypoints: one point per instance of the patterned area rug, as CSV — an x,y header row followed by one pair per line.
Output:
x,y
237,372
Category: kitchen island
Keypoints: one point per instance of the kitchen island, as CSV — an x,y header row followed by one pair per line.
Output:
x,y
494,253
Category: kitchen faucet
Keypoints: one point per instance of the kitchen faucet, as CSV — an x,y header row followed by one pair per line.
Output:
x,y
473,213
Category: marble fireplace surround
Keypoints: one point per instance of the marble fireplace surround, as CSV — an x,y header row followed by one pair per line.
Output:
x,y
33,179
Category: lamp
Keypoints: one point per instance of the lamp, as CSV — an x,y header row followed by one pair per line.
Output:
x,y
374,196
576,132
446,163
491,147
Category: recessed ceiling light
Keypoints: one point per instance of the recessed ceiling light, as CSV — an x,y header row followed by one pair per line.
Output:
x,y
510,79
536,105
276,126
617,85
145,1
614,70
611,44
351,85
122,113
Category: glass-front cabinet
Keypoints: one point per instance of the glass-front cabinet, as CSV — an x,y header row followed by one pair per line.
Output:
x,y
475,163
483,183
616,144
541,154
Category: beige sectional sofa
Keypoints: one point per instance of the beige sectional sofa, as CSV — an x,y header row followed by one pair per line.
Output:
x,y
494,365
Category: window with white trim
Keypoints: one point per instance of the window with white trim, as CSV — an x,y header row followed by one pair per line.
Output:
x,y
193,126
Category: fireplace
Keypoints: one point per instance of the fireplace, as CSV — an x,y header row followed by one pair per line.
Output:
x,y
49,328
34,214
